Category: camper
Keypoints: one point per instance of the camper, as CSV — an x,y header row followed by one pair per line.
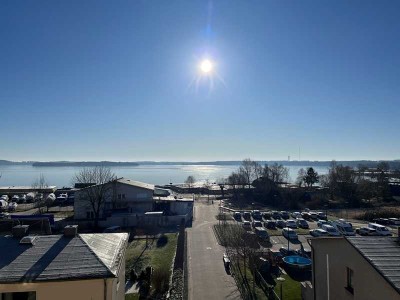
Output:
x,y
344,227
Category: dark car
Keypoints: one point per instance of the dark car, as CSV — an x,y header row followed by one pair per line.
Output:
x,y
381,221
266,215
256,224
246,216
270,224
276,215
285,215
280,223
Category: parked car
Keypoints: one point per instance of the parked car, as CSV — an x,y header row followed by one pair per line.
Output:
x,y
15,198
289,233
318,232
285,215
266,215
276,215
262,233
320,223
246,216
306,215
270,224
291,224
12,206
22,198
281,224
285,252
381,221
332,231
314,216
301,223
256,215
296,215
322,215
256,224
394,221
3,205
237,216
366,231
4,197
380,229
246,225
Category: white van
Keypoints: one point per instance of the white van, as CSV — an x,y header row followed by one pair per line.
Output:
x,y
332,231
380,229
343,227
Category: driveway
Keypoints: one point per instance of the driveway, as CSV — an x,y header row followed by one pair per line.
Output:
x,y
207,276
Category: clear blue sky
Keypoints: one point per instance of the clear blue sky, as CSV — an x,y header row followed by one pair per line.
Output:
x,y
91,80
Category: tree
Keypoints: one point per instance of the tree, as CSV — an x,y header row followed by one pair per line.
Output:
x,y
311,177
207,186
39,185
96,195
247,171
277,173
300,177
190,180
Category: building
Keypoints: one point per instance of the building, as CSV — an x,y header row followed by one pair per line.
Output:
x,y
130,203
69,266
354,268
122,196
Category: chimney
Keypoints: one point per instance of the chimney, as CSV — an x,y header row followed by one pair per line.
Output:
x,y
70,230
19,231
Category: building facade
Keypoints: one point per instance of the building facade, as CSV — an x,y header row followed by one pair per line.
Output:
x,y
121,196
352,268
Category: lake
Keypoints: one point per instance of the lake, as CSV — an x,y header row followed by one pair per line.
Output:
x,y
154,174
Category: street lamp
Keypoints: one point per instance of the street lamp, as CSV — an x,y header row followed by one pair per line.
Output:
x,y
281,281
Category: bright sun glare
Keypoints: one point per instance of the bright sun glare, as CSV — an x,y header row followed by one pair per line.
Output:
x,y
206,66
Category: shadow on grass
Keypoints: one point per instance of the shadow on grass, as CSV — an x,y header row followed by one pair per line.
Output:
x,y
162,241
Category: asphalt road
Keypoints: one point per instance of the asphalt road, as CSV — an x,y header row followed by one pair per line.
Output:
x,y
207,276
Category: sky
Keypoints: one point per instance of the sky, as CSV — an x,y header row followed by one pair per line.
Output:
x,y
120,80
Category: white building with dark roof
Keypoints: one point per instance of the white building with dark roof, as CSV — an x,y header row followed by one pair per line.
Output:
x,y
81,266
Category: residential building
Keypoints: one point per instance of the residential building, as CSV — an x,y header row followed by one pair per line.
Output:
x,y
122,196
69,266
354,268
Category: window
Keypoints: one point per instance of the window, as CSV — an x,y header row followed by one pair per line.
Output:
x,y
350,274
18,296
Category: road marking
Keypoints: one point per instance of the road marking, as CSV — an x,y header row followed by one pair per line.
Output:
x,y
208,248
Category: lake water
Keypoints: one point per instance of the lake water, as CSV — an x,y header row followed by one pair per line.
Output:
x,y
154,174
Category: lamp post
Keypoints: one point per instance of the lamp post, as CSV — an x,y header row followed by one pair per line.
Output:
x,y
281,281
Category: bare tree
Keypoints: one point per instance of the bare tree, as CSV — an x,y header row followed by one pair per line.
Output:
x,y
207,185
300,177
39,185
277,173
190,180
247,170
101,177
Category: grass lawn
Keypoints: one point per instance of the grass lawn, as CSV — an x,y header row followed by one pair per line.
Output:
x,y
131,296
159,253
291,289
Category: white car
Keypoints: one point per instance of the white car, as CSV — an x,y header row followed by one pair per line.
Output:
x,y
4,197
344,227
320,223
296,214
318,232
380,229
289,233
332,231
12,206
366,231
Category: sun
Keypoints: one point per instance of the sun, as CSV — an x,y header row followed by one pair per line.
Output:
x,y
206,66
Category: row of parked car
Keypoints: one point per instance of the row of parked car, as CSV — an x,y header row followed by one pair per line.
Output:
x,y
342,227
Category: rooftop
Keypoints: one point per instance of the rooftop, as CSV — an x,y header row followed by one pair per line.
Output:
x,y
56,257
383,253
136,183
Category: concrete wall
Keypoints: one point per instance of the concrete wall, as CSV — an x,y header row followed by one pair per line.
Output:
x,y
137,200
332,256
74,289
